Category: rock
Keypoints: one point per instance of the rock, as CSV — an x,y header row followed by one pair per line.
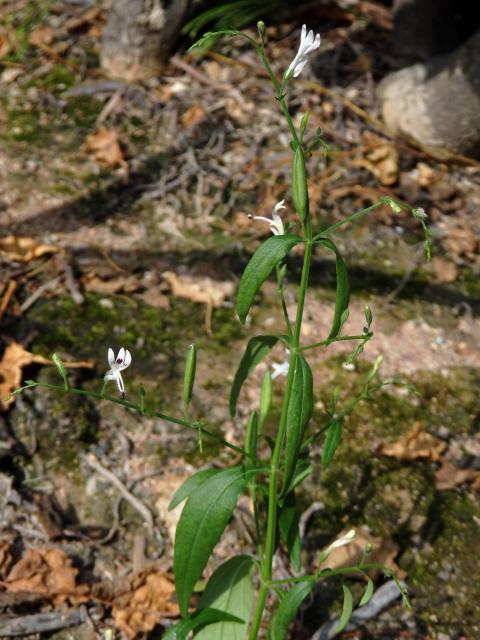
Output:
x,y
417,101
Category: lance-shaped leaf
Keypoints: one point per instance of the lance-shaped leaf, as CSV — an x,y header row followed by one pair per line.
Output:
x,y
287,609
332,440
257,349
189,486
289,530
367,594
261,264
199,619
299,412
346,609
343,288
203,519
230,589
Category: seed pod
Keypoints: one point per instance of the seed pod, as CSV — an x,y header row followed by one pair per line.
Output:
x,y
265,398
189,378
299,184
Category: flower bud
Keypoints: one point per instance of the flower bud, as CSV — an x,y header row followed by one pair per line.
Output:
x,y
189,377
261,29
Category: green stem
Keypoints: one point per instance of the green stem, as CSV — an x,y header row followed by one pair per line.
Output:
x,y
324,343
348,219
280,89
281,294
142,410
266,564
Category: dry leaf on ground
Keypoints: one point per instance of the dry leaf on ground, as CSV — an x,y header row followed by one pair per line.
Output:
x,y
105,147
122,284
14,359
416,444
150,598
205,290
41,37
48,572
381,159
18,249
193,116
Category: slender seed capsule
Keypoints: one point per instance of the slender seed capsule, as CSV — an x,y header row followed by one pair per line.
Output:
x,y
251,437
265,398
61,369
299,184
189,377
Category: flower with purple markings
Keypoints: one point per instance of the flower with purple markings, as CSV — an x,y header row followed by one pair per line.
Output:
x,y
117,365
275,222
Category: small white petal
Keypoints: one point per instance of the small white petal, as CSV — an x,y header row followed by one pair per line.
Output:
x,y
111,357
119,380
120,356
128,359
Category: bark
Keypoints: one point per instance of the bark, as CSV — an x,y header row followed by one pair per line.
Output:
x,y
438,102
139,36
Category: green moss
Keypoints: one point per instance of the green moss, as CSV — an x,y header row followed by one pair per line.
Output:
x,y
442,573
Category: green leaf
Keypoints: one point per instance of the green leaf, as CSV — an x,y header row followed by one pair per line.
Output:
x,y
288,608
190,485
261,264
289,531
230,589
299,412
368,593
256,350
332,440
347,609
343,288
201,618
203,519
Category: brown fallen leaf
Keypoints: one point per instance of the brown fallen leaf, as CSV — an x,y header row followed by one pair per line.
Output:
x,y
448,476
383,552
48,572
381,159
204,290
21,249
41,37
193,115
151,597
122,284
416,444
14,359
105,147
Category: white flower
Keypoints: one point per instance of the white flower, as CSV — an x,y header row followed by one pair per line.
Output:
x,y
281,369
118,364
275,222
346,539
308,43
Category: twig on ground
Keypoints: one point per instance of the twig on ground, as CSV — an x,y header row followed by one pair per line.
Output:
x,y
40,623
93,462
9,291
47,286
